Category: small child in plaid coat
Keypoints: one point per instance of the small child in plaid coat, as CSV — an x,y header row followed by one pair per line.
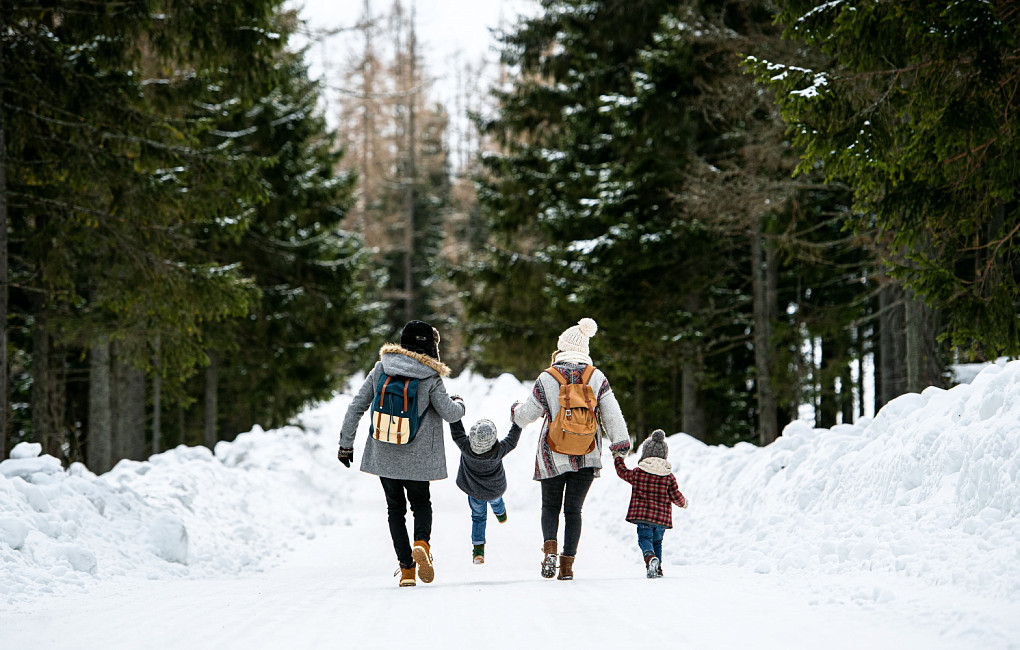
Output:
x,y
653,493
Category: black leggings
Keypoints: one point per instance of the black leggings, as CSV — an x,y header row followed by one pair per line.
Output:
x,y
567,492
396,507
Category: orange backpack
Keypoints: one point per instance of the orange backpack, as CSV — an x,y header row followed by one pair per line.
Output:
x,y
574,428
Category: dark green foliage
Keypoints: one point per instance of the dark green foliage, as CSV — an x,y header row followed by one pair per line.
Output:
x,y
171,189
588,214
309,329
915,110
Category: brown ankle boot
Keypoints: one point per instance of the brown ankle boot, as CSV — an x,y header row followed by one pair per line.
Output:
x,y
549,558
566,568
422,555
406,576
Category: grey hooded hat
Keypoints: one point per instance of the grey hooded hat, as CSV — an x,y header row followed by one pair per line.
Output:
x,y
482,436
655,446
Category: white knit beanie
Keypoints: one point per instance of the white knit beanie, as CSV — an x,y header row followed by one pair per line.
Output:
x,y
575,339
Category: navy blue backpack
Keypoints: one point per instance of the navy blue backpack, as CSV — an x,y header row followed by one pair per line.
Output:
x,y
395,409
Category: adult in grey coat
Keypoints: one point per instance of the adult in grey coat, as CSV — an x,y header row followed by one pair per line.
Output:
x,y
406,469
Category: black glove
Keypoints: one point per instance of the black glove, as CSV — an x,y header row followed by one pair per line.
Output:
x,y
345,456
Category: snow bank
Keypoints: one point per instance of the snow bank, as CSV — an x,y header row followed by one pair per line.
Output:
x,y
930,488
187,512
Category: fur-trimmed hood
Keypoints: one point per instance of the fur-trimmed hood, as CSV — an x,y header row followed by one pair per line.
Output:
x,y
656,465
402,367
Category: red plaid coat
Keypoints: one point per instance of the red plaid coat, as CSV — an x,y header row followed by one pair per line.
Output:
x,y
651,497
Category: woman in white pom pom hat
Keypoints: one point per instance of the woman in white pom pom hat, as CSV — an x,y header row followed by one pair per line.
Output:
x,y
566,477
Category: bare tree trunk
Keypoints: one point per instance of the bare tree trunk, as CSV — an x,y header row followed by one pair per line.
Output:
x,y
763,318
46,428
825,417
411,173
99,447
211,406
892,344
846,392
639,402
368,139
924,367
694,418
693,409
127,404
5,444
674,397
157,398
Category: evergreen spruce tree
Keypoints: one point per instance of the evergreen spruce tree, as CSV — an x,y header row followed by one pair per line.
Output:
x,y
309,329
916,117
639,169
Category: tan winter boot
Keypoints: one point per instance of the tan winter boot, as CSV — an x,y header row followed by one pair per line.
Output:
x,y
423,558
406,576
549,559
566,568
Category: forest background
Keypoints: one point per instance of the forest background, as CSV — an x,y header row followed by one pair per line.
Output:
x,y
766,206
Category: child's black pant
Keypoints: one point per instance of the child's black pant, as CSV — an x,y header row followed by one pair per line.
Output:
x,y
417,493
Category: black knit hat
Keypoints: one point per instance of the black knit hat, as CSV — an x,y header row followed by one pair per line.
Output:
x,y
419,336
655,446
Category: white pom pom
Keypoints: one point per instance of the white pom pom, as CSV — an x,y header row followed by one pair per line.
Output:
x,y
588,327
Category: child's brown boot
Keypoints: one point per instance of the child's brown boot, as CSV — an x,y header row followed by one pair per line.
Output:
x,y
423,558
549,558
478,554
566,568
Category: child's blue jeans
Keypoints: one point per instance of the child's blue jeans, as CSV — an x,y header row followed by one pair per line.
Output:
x,y
479,513
649,539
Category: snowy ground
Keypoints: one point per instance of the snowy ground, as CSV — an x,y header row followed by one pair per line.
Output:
x,y
898,532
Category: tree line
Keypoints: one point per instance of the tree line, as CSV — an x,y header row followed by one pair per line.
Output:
x,y
174,264
757,201
764,210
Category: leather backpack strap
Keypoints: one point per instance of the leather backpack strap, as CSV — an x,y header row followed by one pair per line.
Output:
x,y
585,378
557,375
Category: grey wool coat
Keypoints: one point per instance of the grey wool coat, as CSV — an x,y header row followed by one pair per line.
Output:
x,y
424,458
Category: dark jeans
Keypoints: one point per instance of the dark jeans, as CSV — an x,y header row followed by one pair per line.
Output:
x,y
649,539
565,492
417,493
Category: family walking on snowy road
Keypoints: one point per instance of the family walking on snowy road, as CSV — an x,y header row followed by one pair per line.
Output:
x,y
577,406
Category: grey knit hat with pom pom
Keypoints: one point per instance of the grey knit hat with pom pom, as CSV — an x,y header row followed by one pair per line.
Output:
x,y
482,436
655,446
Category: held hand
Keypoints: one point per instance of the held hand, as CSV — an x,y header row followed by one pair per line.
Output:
x,y
513,407
345,456
686,503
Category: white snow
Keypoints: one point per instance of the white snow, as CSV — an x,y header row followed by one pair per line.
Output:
x,y
901,531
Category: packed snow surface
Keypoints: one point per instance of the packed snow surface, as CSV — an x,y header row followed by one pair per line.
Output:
x,y
901,531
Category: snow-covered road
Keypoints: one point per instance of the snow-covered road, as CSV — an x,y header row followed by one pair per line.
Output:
x,y
337,590
893,534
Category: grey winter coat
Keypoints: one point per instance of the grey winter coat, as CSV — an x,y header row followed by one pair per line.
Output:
x,y
481,475
424,458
